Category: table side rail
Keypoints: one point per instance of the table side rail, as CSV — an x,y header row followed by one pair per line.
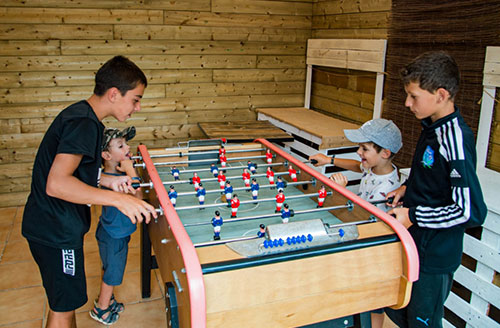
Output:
x,y
194,276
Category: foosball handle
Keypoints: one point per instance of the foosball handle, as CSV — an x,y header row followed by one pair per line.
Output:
x,y
136,185
313,161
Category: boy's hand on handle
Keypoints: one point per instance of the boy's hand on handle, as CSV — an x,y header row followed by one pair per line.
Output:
x,y
339,178
121,183
319,159
402,215
396,196
127,167
137,210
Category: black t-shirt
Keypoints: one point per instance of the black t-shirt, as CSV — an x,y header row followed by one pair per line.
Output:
x,y
51,221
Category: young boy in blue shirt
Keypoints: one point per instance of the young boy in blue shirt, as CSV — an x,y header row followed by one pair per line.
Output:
x,y
114,228
65,179
442,196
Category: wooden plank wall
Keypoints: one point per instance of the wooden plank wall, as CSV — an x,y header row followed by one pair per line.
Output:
x,y
347,94
206,61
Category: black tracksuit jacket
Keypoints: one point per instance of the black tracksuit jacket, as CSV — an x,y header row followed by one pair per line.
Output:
x,y
443,192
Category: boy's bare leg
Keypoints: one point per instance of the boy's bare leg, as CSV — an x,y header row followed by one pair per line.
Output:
x,y
105,296
377,320
61,319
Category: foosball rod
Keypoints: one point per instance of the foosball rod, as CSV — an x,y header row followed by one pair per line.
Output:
x,y
272,215
298,183
209,160
232,240
233,177
248,201
227,168
150,184
203,152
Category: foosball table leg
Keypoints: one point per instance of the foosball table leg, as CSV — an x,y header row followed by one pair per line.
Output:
x,y
171,306
363,320
146,262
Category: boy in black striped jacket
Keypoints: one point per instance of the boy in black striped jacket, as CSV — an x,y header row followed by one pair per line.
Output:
x,y
442,196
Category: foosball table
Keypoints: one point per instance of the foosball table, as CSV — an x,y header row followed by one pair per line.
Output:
x,y
297,251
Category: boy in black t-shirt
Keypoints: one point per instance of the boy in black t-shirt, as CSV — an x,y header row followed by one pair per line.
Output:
x,y
65,179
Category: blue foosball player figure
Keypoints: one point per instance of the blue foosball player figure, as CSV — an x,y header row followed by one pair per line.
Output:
x,y
172,194
254,187
215,170
200,193
252,167
175,172
217,223
262,231
228,191
285,214
280,184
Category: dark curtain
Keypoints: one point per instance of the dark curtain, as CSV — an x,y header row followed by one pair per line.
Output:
x,y
463,28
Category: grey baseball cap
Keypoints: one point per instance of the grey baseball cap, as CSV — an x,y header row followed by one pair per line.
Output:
x,y
110,134
379,131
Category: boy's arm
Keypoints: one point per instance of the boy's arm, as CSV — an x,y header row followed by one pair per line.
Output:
x,y
344,163
62,184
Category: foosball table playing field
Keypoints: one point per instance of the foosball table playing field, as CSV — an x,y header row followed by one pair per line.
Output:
x,y
279,245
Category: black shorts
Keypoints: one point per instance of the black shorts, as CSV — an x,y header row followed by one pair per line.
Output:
x,y
63,276
426,307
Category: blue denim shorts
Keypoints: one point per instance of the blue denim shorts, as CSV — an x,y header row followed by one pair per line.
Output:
x,y
113,256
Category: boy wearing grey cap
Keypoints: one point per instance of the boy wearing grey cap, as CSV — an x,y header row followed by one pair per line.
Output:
x,y
114,228
379,140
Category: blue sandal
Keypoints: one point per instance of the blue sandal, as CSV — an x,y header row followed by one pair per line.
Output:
x,y
113,304
98,315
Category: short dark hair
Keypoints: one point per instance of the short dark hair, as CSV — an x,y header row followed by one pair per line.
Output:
x,y
433,70
379,148
121,73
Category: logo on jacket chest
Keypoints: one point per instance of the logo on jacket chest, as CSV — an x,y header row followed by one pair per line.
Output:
x,y
428,157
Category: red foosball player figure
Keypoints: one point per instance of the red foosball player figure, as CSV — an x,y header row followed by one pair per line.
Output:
x,y
293,173
280,199
235,203
269,156
270,175
246,177
222,179
223,160
321,196
196,181
222,151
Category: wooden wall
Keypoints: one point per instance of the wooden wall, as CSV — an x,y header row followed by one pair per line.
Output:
x,y
206,61
493,161
347,94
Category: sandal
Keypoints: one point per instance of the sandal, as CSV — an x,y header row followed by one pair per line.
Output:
x,y
98,315
113,304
